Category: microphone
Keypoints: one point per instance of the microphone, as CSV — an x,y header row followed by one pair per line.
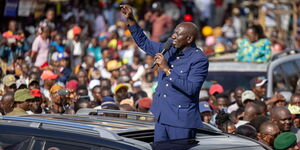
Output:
x,y
167,46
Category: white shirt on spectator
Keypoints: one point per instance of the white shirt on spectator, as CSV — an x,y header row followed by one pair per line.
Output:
x,y
40,46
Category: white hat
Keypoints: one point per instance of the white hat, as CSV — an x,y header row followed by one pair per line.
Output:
x,y
248,95
94,83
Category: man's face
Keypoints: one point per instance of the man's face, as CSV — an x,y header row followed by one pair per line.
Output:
x,y
296,122
260,91
50,15
231,129
222,103
206,116
56,98
179,37
105,93
97,94
25,105
238,96
50,82
284,121
12,88
34,85
269,135
24,68
81,76
295,101
35,105
122,93
115,73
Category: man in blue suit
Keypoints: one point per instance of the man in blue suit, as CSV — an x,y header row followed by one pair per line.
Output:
x,y
182,71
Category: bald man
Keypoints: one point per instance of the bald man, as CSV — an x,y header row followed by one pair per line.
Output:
x,y
251,111
268,132
182,71
282,117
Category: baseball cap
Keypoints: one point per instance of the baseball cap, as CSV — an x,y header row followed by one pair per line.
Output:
x,y
9,80
145,102
248,95
107,100
22,95
48,75
20,82
72,84
55,88
93,83
258,81
119,86
204,106
216,88
113,65
137,84
285,140
63,55
76,30
33,80
36,93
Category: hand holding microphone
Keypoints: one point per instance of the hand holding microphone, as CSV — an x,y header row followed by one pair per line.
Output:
x,y
159,57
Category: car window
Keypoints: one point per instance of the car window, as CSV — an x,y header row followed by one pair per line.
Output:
x,y
65,145
14,142
285,76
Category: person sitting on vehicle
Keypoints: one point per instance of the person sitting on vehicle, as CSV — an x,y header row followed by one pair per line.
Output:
x,y
254,47
21,102
268,132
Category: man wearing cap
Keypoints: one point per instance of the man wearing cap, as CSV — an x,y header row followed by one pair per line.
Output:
x,y
113,67
286,141
64,70
248,97
33,84
121,92
56,105
257,85
9,82
205,111
182,71
49,79
35,103
21,102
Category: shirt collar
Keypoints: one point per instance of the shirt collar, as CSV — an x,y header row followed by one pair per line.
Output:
x,y
188,51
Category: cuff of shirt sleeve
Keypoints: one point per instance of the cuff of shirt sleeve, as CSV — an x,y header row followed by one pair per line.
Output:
x,y
133,28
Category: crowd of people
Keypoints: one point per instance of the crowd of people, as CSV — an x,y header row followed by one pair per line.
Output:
x,y
85,57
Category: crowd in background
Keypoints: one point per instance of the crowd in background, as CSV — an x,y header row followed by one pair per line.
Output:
x,y
85,57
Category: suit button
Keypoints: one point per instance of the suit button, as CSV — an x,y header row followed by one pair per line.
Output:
x,y
179,106
167,84
170,79
181,71
172,66
165,95
177,57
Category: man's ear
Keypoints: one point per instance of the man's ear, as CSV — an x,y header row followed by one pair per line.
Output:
x,y
190,39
